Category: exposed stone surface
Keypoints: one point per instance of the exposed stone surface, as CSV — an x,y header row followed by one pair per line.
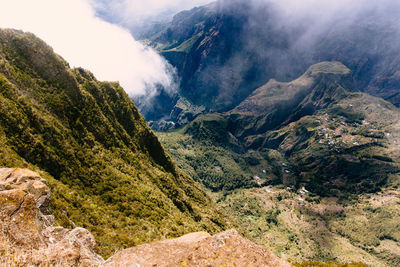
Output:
x,y
198,249
27,232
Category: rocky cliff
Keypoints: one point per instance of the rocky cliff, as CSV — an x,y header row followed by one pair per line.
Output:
x,y
28,235
199,249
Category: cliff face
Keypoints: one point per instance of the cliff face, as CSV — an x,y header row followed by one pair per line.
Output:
x,y
108,170
29,237
214,49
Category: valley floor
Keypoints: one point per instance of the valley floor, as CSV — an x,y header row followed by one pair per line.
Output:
x,y
300,227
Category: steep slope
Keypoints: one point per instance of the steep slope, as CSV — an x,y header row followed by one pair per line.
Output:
x,y
225,50
277,103
107,169
369,47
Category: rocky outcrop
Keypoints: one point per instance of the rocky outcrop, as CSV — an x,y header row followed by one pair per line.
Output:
x,y
198,249
27,232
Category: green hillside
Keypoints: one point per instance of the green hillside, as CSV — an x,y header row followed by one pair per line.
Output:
x,y
107,169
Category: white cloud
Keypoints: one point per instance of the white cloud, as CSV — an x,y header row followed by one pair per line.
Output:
x,y
74,32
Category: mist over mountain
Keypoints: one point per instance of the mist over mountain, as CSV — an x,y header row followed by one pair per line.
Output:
x,y
225,50
77,33
141,16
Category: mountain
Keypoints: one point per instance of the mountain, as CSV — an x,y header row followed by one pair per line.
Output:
x,y
279,103
208,47
301,163
106,168
291,119
227,49
335,139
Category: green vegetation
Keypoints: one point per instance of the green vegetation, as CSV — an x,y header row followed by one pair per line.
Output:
x,y
186,45
109,173
350,116
304,227
106,168
217,167
336,158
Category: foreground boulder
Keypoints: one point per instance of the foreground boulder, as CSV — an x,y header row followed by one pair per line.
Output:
x,y
27,232
198,249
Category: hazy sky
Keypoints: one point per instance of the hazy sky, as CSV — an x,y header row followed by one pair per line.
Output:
x,y
84,40
132,12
